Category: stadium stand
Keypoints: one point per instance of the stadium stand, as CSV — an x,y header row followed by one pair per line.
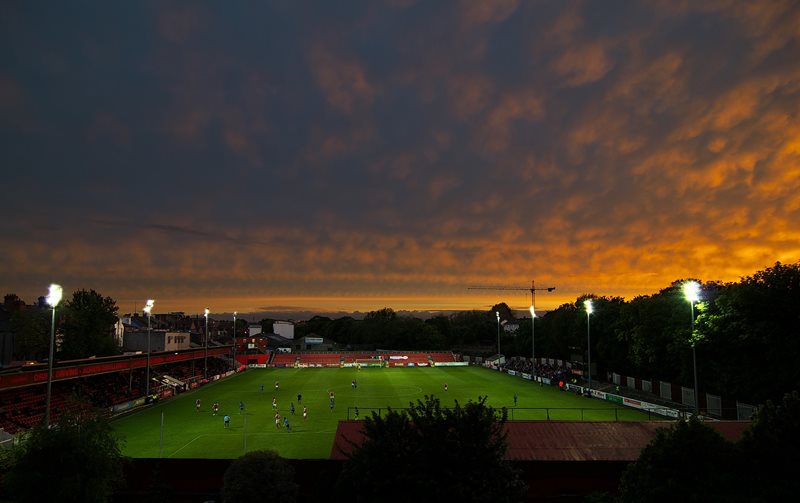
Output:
x,y
443,357
22,408
352,357
319,359
283,360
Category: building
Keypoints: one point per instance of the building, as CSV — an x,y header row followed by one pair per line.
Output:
x,y
284,328
160,341
313,342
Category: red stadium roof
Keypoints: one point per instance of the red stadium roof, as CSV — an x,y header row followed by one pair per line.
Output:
x,y
562,440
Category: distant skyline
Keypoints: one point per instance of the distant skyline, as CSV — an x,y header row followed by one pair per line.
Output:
x,y
349,156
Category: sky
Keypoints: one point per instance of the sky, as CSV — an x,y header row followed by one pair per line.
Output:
x,y
328,156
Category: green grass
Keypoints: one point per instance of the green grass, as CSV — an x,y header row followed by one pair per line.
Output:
x,y
191,434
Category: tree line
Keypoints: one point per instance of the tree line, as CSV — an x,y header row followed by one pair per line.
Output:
x,y
746,333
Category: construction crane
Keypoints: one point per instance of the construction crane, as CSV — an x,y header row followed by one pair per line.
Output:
x,y
533,291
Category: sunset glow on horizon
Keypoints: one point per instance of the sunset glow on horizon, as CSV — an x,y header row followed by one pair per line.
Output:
x,y
339,157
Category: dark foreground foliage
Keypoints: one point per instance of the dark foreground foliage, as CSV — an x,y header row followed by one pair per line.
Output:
x,y
432,453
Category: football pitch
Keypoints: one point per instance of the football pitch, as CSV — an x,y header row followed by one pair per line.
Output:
x,y
189,433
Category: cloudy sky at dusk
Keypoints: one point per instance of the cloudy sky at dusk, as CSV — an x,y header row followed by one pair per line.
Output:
x,y
356,155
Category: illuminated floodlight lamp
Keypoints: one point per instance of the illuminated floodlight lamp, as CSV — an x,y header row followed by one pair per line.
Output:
x,y
533,311
588,305
54,295
149,306
691,290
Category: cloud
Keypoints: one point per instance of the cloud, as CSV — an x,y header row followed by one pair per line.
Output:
x,y
585,64
500,122
342,79
488,11
286,156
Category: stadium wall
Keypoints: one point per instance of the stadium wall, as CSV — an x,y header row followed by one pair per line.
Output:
x,y
715,406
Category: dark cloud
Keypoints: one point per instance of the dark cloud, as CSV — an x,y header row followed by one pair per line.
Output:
x,y
355,155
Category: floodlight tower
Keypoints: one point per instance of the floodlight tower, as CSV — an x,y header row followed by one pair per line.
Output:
x,y
497,313
691,290
53,298
148,308
588,305
235,364
205,358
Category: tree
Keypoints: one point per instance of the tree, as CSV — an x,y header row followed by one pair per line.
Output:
x,y
316,325
432,453
258,475
758,315
770,447
505,312
471,327
88,321
687,462
32,328
78,459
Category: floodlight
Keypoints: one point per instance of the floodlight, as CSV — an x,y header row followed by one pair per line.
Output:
x,y
588,305
54,295
691,290
149,306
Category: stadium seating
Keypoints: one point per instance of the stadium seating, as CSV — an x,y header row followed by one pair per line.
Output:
x,y
22,408
443,357
283,360
320,359
352,357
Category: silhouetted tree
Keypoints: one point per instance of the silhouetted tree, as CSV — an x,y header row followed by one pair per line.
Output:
x,y
432,453
88,321
686,462
259,476
32,329
770,448
77,459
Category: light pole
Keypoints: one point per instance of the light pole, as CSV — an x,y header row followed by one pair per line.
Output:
x,y
205,358
588,305
53,298
235,364
147,309
497,313
691,290
533,320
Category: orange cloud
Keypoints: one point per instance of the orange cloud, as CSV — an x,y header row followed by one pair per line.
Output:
x,y
583,65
